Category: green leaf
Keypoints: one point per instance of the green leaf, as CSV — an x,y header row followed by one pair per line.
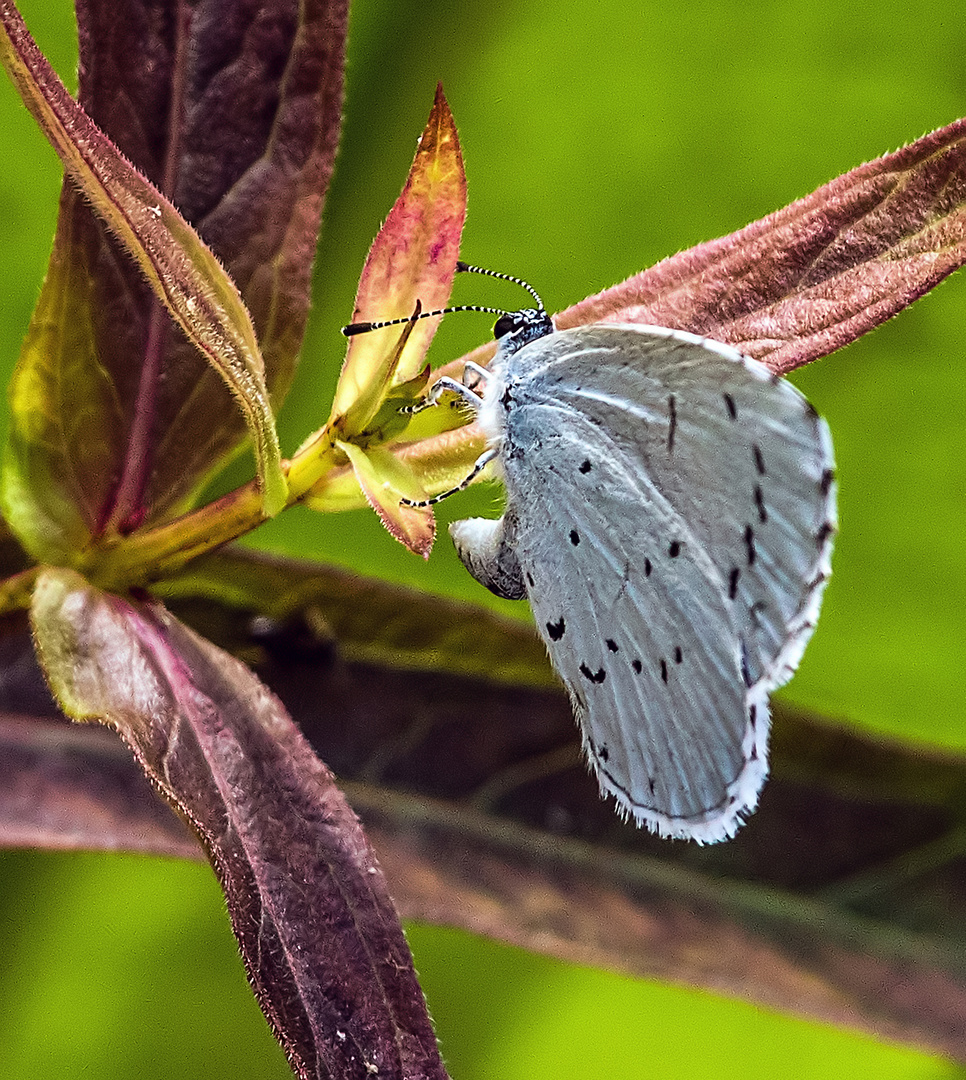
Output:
x,y
385,480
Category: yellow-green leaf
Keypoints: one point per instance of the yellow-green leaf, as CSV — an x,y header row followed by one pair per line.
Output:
x,y
384,480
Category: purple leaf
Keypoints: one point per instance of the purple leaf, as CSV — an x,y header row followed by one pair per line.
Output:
x,y
318,932
259,88
149,419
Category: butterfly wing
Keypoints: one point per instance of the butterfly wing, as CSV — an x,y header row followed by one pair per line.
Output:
x,y
672,509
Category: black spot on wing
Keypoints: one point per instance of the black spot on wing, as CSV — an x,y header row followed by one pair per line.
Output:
x,y
824,533
603,753
674,549
827,479
663,670
556,629
612,645
574,537
672,426
733,582
597,676
760,503
759,460
637,666
732,408
750,545
678,654
585,467
647,567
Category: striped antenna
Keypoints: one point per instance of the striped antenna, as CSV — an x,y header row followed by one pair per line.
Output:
x,y
465,268
461,268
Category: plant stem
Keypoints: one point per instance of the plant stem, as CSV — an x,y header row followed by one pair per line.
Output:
x,y
159,552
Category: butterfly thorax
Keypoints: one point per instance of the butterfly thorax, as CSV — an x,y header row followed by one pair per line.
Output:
x,y
513,331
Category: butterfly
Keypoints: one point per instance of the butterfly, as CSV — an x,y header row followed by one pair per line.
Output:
x,y
670,510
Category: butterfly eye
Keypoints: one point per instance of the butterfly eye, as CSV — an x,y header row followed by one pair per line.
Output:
x,y
504,325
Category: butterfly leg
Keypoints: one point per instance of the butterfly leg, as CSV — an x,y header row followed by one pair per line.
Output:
x,y
445,383
481,463
481,375
440,387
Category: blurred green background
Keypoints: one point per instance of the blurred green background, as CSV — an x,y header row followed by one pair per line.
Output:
x,y
599,137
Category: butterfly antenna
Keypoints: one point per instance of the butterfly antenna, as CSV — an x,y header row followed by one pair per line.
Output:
x,y
465,268
364,327
461,268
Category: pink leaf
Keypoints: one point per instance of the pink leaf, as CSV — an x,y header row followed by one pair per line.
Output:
x,y
412,259
816,275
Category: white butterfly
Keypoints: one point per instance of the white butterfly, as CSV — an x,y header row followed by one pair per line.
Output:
x,y
670,508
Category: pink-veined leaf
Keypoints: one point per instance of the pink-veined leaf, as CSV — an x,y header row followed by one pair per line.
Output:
x,y
791,287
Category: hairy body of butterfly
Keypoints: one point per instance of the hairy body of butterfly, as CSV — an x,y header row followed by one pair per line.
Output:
x,y
670,508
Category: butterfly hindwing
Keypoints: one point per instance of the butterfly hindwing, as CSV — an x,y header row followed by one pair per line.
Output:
x,y
671,507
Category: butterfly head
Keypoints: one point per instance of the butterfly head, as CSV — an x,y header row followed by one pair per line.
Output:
x,y
518,328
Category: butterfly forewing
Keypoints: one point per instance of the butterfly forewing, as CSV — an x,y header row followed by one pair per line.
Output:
x,y
740,454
